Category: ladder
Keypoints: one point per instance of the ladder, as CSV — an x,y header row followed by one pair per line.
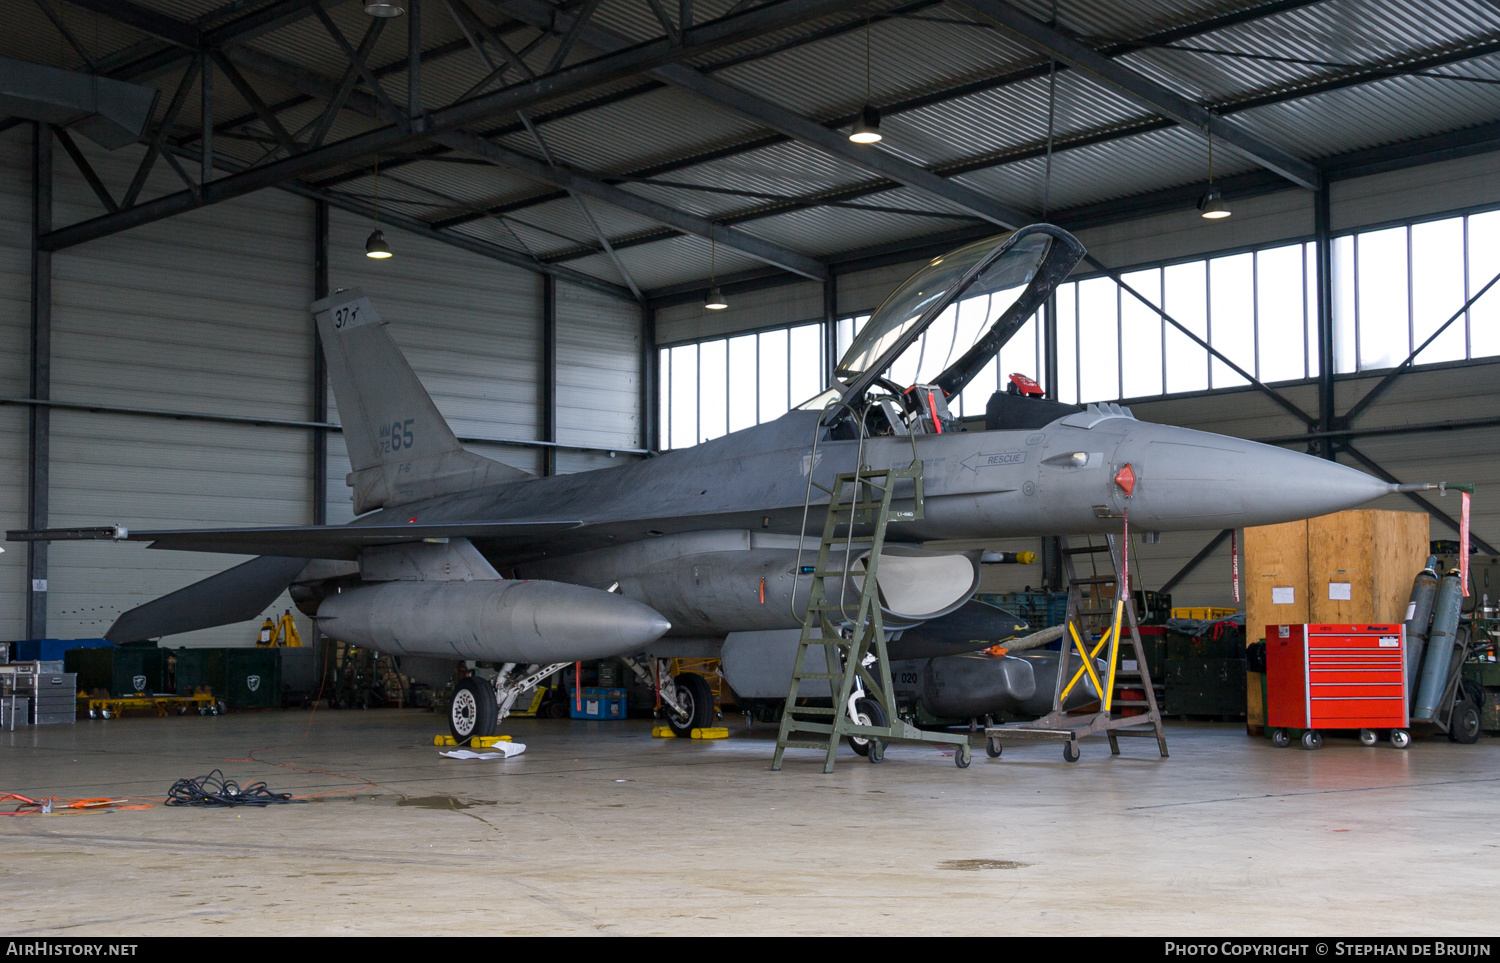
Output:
x,y
1124,683
850,632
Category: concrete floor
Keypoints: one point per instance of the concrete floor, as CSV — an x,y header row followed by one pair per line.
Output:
x,y
599,828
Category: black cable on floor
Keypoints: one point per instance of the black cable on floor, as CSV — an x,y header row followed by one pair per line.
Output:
x,y
213,791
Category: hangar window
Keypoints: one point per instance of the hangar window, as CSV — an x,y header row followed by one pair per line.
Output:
x,y
711,388
1259,308
1394,286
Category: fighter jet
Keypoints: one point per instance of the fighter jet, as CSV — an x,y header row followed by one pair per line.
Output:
x,y
458,557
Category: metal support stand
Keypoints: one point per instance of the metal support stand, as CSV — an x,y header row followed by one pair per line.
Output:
x,y
853,640
1088,613
507,690
660,670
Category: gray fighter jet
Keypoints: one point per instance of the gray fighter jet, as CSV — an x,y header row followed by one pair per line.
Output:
x,y
458,557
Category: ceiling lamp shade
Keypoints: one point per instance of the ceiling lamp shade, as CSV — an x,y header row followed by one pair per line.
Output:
x,y
1212,205
376,247
715,299
384,9
866,130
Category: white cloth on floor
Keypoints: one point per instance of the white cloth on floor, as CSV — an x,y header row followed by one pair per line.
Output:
x,y
501,750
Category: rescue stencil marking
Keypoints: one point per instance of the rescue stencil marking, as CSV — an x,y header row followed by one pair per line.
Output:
x,y
976,462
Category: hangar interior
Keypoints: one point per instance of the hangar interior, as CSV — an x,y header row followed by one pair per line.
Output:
x,y
562,185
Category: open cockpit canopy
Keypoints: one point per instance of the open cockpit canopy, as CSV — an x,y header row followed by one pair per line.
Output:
x,y
1017,270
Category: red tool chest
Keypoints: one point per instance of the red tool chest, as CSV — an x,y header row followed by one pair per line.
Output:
x,y
1336,677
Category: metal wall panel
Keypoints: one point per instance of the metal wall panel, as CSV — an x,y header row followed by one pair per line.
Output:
x,y
206,312
469,326
1417,191
15,350
787,304
598,375
1184,234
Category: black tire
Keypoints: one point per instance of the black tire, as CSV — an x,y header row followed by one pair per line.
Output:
x,y
867,712
1367,737
1070,751
1400,738
1312,739
1463,725
1280,738
473,711
993,748
963,756
698,700
1472,691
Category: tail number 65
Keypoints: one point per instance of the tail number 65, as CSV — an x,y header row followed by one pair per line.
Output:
x,y
396,436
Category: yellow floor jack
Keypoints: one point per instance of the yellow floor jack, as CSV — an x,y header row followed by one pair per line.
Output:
x,y
279,634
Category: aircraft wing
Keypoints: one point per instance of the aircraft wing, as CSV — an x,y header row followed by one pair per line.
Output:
x,y
312,541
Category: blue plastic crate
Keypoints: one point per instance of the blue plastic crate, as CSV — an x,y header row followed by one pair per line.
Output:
x,y
597,704
51,650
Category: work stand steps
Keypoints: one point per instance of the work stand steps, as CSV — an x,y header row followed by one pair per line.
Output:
x,y
850,632
1123,683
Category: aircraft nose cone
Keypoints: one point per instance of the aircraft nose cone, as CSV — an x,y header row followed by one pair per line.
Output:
x,y
1192,479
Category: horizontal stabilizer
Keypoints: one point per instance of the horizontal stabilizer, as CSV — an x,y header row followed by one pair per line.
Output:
x,y
236,595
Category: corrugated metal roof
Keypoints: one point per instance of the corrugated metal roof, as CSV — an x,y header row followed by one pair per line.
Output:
x,y
930,56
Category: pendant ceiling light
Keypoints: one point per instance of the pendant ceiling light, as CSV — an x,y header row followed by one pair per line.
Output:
x,y
1211,205
375,245
385,9
714,301
866,129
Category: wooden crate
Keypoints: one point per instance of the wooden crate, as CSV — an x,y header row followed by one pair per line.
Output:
x,y
1372,556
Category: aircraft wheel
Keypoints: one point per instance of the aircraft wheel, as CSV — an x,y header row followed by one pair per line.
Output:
x,y
473,711
698,704
1280,738
1070,751
993,748
963,756
1312,739
867,712
1367,737
1400,738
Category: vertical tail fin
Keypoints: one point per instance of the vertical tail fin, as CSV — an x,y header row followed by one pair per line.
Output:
x,y
400,447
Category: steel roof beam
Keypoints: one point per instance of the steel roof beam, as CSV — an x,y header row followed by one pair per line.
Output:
x,y
568,80
1256,182
772,254
1145,91
558,176
779,118
157,25
415,226
531,7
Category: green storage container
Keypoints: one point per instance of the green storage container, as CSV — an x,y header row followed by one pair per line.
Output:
x,y
120,670
253,678
1205,687
241,678
197,668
